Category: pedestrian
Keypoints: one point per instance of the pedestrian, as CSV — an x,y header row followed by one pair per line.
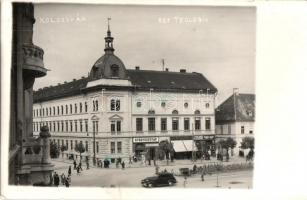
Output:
x,y
123,165
69,170
78,170
75,164
87,165
194,169
117,163
67,182
63,178
69,179
80,166
202,177
130,160
56,179
185,181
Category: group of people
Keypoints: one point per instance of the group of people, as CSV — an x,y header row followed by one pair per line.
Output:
x,y
64,180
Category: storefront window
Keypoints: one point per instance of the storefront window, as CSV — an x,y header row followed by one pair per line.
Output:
x,y
112,147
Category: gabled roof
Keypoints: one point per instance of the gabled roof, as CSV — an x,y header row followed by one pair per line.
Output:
x,y
238,107
140,79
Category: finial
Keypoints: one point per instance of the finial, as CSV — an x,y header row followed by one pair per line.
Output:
x,y
109,18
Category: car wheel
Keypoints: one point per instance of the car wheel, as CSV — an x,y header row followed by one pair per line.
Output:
x,y
170,183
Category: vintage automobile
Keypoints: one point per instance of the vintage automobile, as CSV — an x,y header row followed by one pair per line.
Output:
x,y
162,179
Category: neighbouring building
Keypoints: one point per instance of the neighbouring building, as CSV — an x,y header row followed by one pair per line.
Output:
x,y
29,162
235,118
118,112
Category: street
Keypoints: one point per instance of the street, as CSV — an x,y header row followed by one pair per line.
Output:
x,y
131,177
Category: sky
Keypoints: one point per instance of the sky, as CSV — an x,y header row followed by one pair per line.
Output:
x,y
218,42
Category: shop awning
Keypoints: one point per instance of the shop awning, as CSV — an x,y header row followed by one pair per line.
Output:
x,y
184,145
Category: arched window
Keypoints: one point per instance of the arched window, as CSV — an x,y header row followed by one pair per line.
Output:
x,y
175,112
151,112
114,71
197,112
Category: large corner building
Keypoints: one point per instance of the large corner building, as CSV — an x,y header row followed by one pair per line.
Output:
x,y
117,112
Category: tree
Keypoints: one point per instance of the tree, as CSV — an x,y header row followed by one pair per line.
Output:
x,y
228,143
248,143
167,148
80,148
54,150
63,148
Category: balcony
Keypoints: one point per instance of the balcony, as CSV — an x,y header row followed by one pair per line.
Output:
x,y
33,61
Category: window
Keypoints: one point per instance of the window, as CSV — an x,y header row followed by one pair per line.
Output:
x,y
115,105
76,108
163,124
175,124
242,129
229,129
62,126
66,109
114,71
186,105
53,126
186,124
251,132
46,111
139,124
197,124
53,110
66,144
71,126
80,107
207,105
66,123
95,127
58,110
115,126
62,110
138,104
76,126
97,147
175,112
208,124
119,147
43,112
71,144
163,104
70,108
86,146
94,106
85,106
151,124
112,147
197,112
58,126
96,102
86,126
81,126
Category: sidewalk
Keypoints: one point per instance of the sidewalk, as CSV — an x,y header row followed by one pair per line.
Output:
x,y
61,163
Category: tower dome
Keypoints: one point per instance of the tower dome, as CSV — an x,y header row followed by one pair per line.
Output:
x,y
108,65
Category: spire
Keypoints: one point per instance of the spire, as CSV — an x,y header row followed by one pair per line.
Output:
x,y
109,40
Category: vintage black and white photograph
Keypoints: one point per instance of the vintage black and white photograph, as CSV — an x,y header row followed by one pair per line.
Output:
x,y
132,96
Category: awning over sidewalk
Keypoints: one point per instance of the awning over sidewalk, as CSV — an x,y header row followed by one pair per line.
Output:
x,y
184,145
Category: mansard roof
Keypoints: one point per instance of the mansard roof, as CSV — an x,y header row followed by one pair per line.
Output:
x,y
140,79
238,107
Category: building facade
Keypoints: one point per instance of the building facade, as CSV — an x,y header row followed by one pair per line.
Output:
x,y
235,118
118,112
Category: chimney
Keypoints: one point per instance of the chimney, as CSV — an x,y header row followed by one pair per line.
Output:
x,y
137,67
183,70
166,69
235,91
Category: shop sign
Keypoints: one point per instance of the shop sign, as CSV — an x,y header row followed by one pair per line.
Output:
x,y
152,145
203,137
181,138
146,140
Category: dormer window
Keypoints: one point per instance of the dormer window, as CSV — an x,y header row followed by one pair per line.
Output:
x,y
114,71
